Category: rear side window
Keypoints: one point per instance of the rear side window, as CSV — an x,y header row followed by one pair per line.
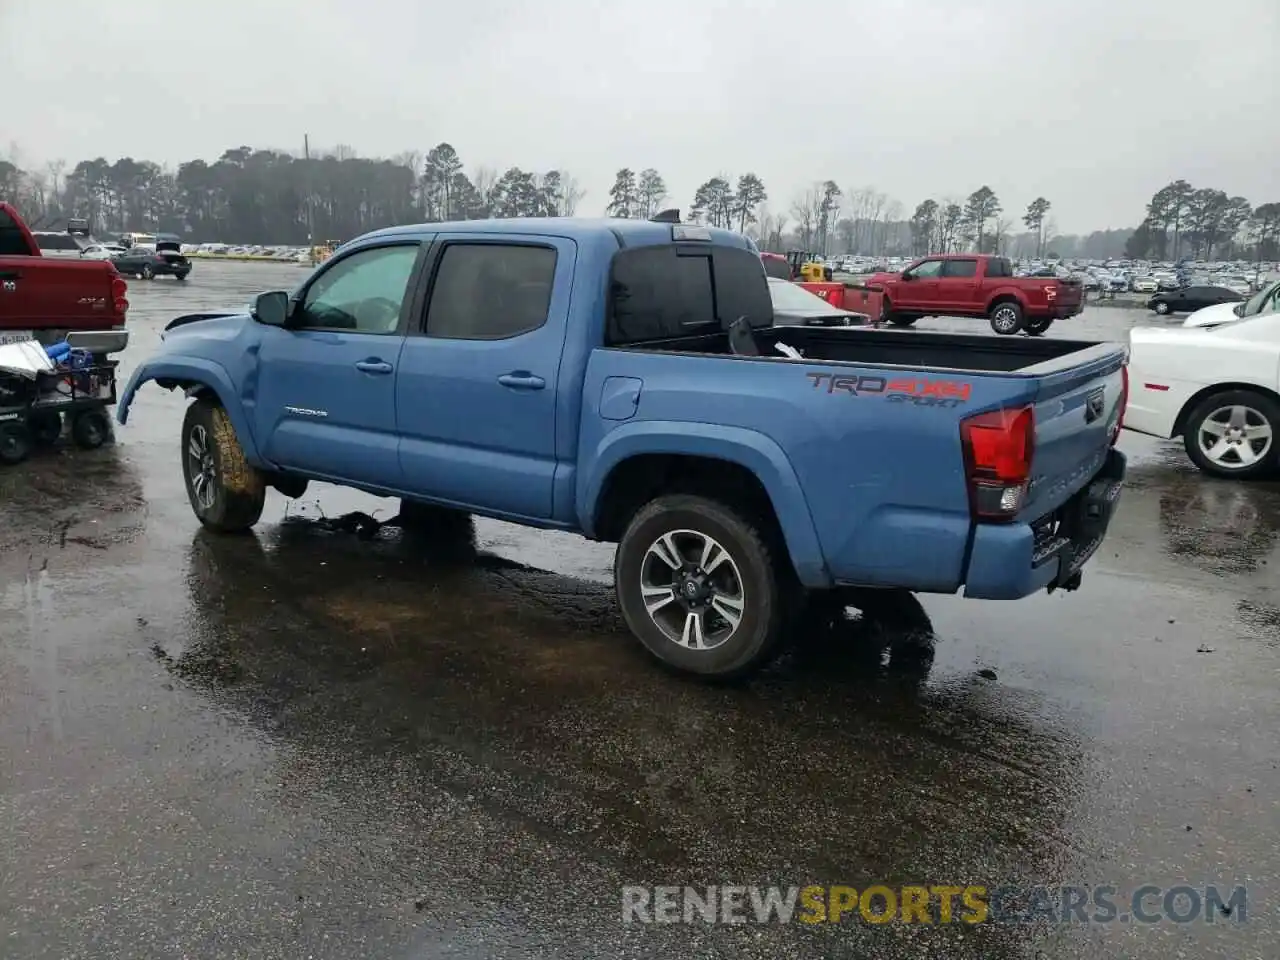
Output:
x,y
960,268
999,267
668,291
490,291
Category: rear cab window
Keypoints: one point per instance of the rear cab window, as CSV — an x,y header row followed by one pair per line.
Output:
x,y
667,291
999,267
13,241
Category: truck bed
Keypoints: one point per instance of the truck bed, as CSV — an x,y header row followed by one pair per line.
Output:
x,y
892,348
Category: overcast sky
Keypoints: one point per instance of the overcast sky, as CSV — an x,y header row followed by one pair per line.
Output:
x,y
1092,103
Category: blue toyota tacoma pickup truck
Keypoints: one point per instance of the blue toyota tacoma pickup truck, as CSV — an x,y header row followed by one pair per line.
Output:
x,y
625,379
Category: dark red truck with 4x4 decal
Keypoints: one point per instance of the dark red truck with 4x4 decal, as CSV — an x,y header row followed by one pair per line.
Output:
x,y
972,285
46,298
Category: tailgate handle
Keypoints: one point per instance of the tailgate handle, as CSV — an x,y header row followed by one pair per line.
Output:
x,y
1094,404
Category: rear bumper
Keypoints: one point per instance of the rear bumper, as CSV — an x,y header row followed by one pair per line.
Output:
x,y
1065,310
1010,561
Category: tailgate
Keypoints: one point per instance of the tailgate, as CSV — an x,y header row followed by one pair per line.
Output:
x,y
1077,411
1070,293
58,294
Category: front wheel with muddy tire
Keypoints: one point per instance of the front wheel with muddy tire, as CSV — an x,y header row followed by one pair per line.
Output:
x,y
226,492
701,587
1006,317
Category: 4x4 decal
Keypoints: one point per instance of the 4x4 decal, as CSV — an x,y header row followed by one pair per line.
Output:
x,y
917,391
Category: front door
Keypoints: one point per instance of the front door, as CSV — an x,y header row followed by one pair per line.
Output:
x,y
476,397
326,387
919,289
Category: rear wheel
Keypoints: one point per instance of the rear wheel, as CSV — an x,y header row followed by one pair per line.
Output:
x,y
90,429
700,587
1006,318
1037,327
180,276
148,272
226,492
900,321
1233,434
15,443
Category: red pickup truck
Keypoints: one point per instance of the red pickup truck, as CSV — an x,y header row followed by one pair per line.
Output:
x,y
970,285
47,297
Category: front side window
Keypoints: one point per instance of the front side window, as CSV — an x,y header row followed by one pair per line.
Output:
x,y
363,292
491,291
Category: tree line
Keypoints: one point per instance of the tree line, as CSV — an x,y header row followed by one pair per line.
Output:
x,y
261,196
267,196
1205,223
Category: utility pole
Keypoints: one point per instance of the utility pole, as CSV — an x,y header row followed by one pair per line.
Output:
x,y
311,226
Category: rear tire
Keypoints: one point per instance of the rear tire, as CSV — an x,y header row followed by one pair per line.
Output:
x,y
1217,419
90,429
15,443
1006,318
1037,327
148,272
227,494
723,559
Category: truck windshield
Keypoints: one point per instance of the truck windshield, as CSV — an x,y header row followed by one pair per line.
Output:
x,y
1265,299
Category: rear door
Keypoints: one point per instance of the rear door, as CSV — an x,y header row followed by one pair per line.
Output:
x,y
958,284
477,393
918,290
325,402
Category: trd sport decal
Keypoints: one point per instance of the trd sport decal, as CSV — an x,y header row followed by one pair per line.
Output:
x,y
919,392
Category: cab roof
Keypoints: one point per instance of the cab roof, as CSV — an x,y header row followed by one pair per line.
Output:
x,y
626,233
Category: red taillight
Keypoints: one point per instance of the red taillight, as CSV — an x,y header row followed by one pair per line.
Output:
x,y
118,290
1124,402
997,455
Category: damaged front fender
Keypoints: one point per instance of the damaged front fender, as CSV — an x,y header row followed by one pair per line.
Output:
x,y
196,376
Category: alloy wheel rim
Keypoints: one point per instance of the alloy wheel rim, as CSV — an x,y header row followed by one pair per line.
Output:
x,y
1006,318
692,589
200,467
1235,437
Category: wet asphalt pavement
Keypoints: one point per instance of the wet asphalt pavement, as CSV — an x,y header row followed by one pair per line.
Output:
x,y
308,744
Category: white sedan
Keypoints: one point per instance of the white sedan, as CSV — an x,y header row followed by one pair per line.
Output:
x,y
1216,387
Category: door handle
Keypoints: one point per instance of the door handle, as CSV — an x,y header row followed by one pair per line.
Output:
x,y
374,366
10,275
522,380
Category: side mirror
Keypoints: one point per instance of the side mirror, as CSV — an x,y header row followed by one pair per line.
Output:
x,y
908,276
271,308
1238,309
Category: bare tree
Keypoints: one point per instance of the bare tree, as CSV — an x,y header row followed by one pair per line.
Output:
x,y
807,208
484,179
571,194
